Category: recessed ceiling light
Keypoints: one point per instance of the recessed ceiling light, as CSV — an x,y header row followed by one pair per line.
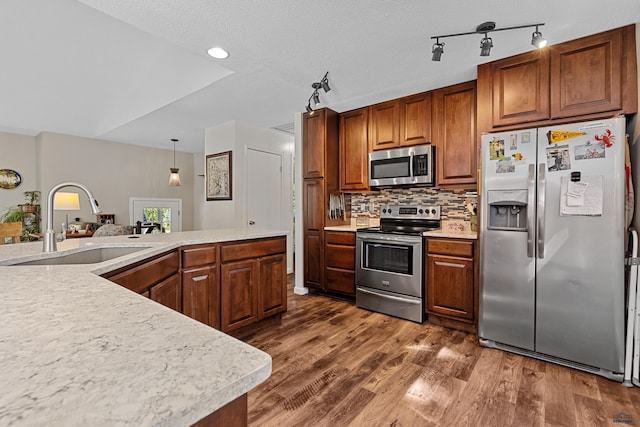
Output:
x,y
218,53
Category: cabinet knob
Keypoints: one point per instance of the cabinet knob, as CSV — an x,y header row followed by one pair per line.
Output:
x,y
252,223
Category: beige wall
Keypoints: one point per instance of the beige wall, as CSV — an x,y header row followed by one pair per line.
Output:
x,y
18,152
237,137
114,172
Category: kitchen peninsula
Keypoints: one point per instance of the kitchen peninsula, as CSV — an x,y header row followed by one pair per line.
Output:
x,y
77,349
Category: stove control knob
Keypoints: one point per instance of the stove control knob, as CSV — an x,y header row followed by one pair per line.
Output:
x,y
421,211
384,211
433,211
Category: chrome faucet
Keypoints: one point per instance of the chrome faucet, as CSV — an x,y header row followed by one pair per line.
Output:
x,y
49,243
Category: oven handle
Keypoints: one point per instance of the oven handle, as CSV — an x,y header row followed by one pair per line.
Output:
x,y
392,239
409,301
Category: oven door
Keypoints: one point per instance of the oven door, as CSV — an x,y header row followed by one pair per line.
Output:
x,y
389,262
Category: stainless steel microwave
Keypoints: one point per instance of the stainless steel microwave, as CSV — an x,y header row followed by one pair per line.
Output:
x,y
402,166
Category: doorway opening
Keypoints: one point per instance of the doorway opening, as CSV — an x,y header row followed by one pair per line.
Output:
x,y
166,212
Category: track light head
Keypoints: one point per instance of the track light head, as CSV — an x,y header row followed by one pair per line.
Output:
x,y
485,45
315,96
437,50
537,40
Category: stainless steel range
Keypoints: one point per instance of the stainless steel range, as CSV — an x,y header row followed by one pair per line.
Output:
x,y
389,261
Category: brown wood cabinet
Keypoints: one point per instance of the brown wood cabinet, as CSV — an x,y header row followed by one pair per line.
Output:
x,y
322,177
384,128
272,293
454,118
587,78
239,304
340,252
450,286
586,75
201,283
316,129
168,293
141,276
253,281
521,88
415,119
225,285
354,150
314,220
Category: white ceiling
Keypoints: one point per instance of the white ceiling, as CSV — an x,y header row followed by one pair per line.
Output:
x,y
136,71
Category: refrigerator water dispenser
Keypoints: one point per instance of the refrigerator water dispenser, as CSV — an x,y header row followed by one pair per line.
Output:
x,y
507,210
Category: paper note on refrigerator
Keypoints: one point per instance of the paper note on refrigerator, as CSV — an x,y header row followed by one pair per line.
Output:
x,y
581,198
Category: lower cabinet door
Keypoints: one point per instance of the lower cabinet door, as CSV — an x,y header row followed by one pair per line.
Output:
x,y
168,292
342,281
201,295
237,293
313,261
450,286
272,288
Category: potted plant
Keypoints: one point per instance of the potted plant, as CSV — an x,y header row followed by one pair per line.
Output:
x,y
12,214
32,199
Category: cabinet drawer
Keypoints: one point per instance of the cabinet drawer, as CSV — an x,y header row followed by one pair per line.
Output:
x,y
140,277
197,255
462,248
252,249
341,257
340,238
341,281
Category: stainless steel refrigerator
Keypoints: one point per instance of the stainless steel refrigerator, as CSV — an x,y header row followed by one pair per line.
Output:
x,y
552,244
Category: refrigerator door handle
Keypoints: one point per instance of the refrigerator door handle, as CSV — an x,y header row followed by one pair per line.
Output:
x,y
531,220
541,208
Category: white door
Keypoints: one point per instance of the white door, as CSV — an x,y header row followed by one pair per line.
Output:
x,y
264,189
167,212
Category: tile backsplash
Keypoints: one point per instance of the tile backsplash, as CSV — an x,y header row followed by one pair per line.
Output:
x,y
452,202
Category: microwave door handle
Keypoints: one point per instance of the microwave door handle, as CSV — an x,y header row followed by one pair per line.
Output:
x,y
413,178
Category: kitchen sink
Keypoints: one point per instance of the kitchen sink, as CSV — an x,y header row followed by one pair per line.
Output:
x,y
89,256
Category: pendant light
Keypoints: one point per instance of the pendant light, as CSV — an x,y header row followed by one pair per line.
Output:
x,y
174,178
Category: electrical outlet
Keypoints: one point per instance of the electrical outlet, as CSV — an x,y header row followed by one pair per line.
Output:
x,y
372,207
363,207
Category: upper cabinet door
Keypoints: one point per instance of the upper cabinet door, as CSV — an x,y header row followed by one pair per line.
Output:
x,y
415,119
521,88
314,135
586,75
354,152
385,125
454,112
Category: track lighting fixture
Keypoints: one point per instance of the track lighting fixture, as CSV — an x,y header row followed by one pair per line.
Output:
x,y
485,45
487,42
537,40
315,96
437,50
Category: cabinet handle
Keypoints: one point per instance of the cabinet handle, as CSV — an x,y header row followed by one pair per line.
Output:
x,y
200,278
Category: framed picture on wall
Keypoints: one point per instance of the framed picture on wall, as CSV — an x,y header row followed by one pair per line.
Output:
x,y
219,176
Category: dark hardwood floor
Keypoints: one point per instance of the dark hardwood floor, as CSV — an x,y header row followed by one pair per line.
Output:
x,y
337,365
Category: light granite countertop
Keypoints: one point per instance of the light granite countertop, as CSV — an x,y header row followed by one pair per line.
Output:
x,y
79,350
